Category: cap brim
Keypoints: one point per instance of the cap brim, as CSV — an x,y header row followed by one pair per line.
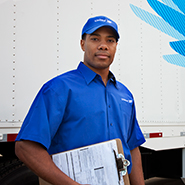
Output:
x,y
90,31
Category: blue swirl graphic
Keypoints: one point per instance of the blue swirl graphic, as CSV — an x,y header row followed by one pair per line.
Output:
x,y
171,22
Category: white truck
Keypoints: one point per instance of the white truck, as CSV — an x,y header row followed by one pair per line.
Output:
x,y
39,39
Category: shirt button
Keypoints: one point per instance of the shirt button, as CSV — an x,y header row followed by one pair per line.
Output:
x,y
109,106
111,124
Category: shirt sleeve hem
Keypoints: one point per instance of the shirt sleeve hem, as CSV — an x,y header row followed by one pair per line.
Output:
x,y
138,144
34,139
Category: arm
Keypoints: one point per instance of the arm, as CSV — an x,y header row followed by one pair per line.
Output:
x,y
136,175
39,161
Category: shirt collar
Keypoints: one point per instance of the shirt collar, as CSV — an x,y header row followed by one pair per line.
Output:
x,y
112,78
89,75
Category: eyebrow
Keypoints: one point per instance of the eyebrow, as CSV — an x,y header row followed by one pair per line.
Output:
x,y
96,34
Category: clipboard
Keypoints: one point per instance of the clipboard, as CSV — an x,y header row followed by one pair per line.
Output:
x,y
93,162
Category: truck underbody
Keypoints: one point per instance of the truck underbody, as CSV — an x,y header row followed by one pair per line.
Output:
x,y
165,163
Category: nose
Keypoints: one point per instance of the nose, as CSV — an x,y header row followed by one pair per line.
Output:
x,y
103,46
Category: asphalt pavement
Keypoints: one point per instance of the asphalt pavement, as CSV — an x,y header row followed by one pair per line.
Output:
x,y
163,181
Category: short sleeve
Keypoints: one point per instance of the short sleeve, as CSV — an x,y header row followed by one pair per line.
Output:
x,y
43,118
136,137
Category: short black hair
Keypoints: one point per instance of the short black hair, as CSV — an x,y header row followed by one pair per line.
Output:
x,y
84,36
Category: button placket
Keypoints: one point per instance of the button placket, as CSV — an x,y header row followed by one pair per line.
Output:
x,y
109,112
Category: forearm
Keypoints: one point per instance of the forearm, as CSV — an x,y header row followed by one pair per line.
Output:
x,y
136,175
40,162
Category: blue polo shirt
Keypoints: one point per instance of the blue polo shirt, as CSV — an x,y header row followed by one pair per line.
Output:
x,y
76,109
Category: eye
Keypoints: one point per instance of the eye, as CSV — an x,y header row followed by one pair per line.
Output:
x,y
94,39
111,40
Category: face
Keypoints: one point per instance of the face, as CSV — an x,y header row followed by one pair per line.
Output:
x,y
99,49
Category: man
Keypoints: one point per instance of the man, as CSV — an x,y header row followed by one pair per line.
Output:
x,y
82,107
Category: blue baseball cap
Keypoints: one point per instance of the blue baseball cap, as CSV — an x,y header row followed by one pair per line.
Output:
x,y
97,22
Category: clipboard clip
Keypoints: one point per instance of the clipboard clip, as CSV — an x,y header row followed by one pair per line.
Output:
x,y
122,164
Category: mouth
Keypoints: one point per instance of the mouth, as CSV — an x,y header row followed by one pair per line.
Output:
x,y
102,55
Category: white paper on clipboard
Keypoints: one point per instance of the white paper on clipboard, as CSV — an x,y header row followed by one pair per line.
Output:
x,y
94,164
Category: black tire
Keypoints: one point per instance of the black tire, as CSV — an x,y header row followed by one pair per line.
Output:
x,y
14,172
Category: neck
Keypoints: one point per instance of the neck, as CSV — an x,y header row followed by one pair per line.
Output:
x,y
103,72
104,76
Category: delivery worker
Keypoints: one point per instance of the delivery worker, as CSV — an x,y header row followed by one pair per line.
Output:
x,y
82,107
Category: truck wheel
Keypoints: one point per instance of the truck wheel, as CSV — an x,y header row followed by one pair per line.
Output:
x,y
14,172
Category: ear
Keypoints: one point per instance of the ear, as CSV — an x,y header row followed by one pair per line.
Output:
x,y
82,43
